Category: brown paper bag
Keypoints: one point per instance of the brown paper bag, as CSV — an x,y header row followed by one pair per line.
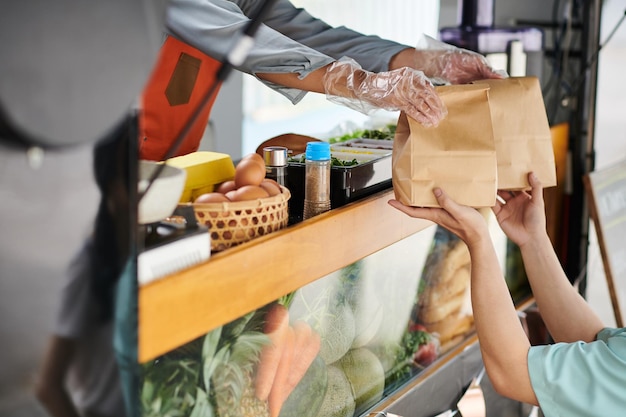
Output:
x,y
458,155
521,132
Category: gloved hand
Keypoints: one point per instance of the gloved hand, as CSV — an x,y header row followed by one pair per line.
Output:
x,y
444,63
405,89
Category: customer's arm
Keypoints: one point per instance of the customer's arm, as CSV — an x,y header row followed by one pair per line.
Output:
x,y
567,315
503,343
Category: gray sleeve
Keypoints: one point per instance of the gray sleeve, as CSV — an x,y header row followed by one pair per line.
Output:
x,y
371,52
212,25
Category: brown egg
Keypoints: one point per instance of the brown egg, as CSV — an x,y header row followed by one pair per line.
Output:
x,y
213,197
270,186
226,186
249,172
274,182
255,157
248,192
231,195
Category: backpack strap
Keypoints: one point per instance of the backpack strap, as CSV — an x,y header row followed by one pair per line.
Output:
x,y
181,76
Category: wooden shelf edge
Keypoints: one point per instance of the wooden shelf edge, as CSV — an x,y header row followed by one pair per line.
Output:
x,y
179,308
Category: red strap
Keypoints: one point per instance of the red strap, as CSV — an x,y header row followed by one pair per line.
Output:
x,y
179,79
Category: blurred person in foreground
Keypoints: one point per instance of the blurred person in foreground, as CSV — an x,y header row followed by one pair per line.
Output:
x,y
584,372
70,74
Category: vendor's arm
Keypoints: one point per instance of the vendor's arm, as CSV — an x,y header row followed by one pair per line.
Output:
x,y
370,51
306,44
442,61
292,68
346,83
212,26
567,315
446,63
503,342
313,82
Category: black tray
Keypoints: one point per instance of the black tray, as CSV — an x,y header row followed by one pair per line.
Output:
x,y
347,183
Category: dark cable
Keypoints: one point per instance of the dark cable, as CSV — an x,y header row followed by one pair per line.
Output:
x,y
575,85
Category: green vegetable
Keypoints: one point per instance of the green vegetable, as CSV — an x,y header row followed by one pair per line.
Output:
x,y
366,376
339,399
216,368
323,305
170,387
334,161
386,133
307,397
337,329
361,293
202,407
397,359
231,375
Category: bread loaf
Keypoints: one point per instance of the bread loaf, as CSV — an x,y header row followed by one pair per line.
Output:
x,y
446,286
445,289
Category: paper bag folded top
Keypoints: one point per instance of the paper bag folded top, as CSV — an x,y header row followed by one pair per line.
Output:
x,y
458,155
495,133
521,132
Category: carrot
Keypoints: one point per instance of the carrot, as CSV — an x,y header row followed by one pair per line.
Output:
x,y
278,393
307,346
276,327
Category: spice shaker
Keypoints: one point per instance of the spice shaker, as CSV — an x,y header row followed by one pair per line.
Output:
x,y
316,179
275,158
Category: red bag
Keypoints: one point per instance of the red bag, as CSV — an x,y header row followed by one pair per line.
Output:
x,y
180,78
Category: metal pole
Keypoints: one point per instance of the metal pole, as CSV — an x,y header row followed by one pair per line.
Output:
x,y
582,143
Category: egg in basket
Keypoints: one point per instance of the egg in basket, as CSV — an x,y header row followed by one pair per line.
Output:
x,y
243,208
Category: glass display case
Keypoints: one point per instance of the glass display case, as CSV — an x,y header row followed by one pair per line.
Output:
x,y
358,310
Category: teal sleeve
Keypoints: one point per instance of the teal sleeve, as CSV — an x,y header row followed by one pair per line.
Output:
x,y
581,379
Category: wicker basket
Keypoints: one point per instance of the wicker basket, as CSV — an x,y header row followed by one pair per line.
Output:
x,y
232,223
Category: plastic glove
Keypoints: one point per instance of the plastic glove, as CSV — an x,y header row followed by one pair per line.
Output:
x,y
405,89
445,63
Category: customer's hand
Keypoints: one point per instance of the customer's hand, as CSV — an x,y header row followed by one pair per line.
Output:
x,y
404,89
522,216
465,222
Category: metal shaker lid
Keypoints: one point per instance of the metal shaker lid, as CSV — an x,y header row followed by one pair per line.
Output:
x,y
275,156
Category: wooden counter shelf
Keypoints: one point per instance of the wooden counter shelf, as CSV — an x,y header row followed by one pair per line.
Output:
x,y
179,308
